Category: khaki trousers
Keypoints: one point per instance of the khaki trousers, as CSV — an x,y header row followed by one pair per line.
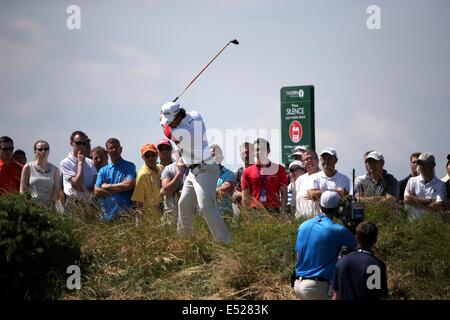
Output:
x,y
199,189
311,289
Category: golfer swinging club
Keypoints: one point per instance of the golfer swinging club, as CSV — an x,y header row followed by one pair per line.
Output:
x,y
188,132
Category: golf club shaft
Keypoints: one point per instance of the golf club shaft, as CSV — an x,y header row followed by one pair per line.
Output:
x,y
204,68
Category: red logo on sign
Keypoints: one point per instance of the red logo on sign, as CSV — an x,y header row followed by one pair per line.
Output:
x,y
295,131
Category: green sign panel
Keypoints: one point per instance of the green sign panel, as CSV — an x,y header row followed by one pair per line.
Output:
x,y
297,120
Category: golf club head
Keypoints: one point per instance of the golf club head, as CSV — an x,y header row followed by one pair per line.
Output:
x,y
234,41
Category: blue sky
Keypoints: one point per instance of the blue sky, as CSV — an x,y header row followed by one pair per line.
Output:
x,y
384,89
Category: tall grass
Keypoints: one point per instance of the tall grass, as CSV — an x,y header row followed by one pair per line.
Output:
x,y
146,259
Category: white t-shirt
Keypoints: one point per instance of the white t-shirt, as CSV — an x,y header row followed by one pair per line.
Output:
x,y
191,134
435,189
320,181
304,207
69,168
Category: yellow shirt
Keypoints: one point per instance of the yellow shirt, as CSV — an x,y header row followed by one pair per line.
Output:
x,y
148,185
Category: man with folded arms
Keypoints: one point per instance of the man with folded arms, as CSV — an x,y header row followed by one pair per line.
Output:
x,y
377,185
424,192
329,178
115,182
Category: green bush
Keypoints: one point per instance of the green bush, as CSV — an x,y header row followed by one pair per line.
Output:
x,y
36,247
416,253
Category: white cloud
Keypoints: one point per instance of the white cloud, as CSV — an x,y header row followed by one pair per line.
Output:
x,y
27,26
136,62
95,67
21,55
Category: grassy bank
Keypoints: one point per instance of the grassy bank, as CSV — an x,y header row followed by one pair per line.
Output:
x,y
148,260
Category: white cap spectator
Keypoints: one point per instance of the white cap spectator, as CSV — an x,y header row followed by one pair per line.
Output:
x,y
330,199
298,151
296,163
375,155
330,151
427,158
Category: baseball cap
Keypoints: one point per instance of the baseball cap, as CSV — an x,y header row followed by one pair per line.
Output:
x,y
296,163
163,142
148,147
299,150
330,199
427,158
330,151
375,155
168,112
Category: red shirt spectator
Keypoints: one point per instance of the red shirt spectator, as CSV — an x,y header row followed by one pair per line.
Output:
x,y
254,182
10,171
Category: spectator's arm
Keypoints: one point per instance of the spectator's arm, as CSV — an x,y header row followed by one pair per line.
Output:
x,y
246,198
25,179
225,189
343,192
57,185
168,186
417,201
101,193
335,282
387,198
437,205
125,185
98,190
314,194
283,193
390,198
77,182
237,196
335,295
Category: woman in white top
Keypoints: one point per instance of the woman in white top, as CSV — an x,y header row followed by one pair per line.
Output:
x,y
40,178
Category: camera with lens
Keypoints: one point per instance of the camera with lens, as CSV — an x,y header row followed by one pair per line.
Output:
x,y
351,213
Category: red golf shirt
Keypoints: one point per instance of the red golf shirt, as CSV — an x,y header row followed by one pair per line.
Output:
x,y
9,177
254,181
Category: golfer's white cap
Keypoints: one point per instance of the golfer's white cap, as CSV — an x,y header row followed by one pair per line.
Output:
x,y
168,112
330,199
375,155
330,151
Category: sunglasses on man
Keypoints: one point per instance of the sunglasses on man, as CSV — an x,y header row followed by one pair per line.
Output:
x,y
7,149
81,143
292,170
150,155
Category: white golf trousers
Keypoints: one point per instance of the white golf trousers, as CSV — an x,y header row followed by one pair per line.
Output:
x,y
200,189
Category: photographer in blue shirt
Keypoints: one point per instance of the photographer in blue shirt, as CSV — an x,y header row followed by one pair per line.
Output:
x,y
319,241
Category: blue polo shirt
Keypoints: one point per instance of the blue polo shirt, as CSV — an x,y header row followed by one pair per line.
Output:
x,y
225,175
352,274
116,173
319,241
